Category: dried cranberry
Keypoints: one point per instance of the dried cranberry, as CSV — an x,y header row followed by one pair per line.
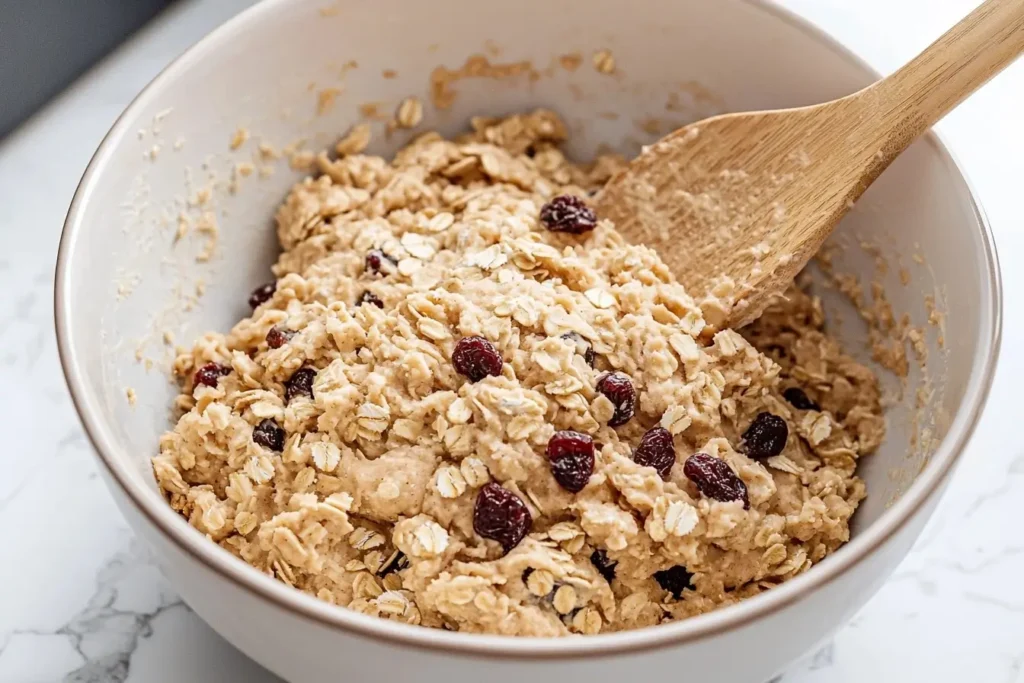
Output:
x,y
269,435
261,295
300,383
604,566
656,450
675,580
582,346
715,479
501,516
571,455
278,337
379,262
210,373
799,399
766,436
476,358
369,298
619,390
567,213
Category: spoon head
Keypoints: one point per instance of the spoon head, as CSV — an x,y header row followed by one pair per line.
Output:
x,y
735,205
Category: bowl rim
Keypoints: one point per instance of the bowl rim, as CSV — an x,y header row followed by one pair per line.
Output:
x,y
189,541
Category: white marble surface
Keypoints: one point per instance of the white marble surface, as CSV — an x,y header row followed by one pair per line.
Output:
x,y
80,600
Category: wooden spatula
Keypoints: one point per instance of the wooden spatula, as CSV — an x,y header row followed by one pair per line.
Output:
x,y
737,204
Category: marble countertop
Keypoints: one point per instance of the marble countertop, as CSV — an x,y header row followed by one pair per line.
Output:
x,y
80,600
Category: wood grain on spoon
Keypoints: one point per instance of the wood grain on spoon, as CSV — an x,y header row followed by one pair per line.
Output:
x,y
749,198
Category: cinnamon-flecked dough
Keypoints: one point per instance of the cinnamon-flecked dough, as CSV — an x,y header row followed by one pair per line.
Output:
x,y
369,501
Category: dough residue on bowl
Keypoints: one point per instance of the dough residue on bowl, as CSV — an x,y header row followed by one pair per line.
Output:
x,y
330,440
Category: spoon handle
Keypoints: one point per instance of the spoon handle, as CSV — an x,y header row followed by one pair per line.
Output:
x,y
912,99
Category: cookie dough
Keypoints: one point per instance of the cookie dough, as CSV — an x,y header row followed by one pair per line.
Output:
x,y
329,440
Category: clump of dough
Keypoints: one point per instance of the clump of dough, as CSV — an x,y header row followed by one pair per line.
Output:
x,y
369,502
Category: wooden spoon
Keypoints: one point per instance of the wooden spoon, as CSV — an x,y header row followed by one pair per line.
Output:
x,y
737,204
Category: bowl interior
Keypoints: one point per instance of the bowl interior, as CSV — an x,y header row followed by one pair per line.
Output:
x,y
210,144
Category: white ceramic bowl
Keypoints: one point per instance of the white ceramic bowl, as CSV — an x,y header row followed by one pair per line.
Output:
x,y
122,280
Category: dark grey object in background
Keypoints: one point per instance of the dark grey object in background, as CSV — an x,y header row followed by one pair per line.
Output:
x,y
46,44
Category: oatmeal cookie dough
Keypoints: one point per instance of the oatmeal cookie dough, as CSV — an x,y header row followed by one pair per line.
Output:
x,y
347,439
